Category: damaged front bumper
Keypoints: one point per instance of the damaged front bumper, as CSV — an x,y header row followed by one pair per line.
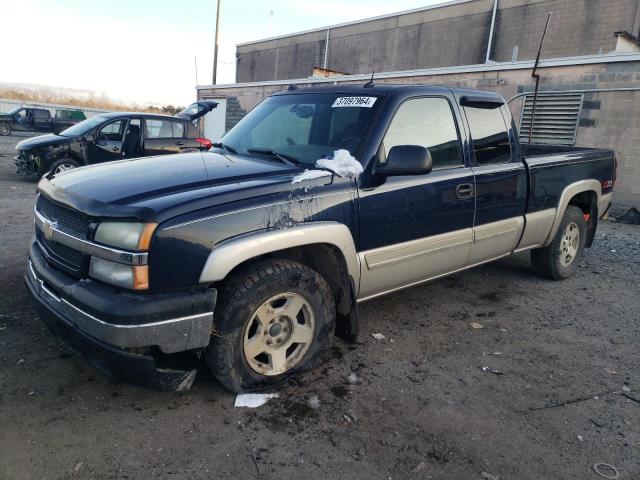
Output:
x,y
125,335
26,163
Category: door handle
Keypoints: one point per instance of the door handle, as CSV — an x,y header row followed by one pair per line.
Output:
x,y
464,191
180,144
115,149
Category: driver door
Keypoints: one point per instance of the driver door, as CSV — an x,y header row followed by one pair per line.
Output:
x,y
21,118
417,227
108,143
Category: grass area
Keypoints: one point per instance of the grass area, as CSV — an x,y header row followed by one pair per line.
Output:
x,y
48,95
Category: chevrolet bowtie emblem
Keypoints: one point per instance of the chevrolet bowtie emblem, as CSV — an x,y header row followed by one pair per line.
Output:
x,y
48,228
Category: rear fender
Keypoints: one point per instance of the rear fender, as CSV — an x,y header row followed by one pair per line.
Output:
x,y
571,191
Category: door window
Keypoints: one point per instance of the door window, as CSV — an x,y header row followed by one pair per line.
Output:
x,y
178,129
490,135
40,115
161,128
113,131
429,123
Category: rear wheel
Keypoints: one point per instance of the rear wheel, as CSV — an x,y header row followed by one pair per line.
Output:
x,y
275,318
561,257
5,129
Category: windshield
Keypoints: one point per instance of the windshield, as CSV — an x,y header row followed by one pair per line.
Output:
x,y
15,110
83,127
306,126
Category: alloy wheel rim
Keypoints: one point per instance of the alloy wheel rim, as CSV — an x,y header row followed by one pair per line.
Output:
x,y
63,168
4,130
279,334
569,244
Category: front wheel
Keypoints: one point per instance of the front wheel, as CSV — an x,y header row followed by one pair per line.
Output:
x,y
560,259
5,129
63,165
275,317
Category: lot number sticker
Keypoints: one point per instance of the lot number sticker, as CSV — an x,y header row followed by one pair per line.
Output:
x,y
366,102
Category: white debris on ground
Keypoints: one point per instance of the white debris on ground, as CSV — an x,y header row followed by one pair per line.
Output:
x,y
310,175
253,400
353,378
342,163
378,336
314,402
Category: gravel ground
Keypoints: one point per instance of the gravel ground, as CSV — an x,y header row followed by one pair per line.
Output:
x,y
560,393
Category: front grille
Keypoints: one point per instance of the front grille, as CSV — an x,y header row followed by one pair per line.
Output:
x,y
70,257
71,221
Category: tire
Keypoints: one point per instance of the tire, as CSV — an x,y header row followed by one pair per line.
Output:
x,y
5,129
263,309
62,165
560,259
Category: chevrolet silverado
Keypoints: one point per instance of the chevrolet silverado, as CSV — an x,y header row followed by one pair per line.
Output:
x,y
252,255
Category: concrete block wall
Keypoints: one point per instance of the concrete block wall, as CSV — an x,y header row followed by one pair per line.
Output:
x,y
455,34
578,27
608,120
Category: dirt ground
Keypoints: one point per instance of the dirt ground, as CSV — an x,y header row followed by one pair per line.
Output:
x,y
420,404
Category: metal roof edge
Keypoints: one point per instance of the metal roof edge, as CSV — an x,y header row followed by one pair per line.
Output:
x,y
482,67
355,22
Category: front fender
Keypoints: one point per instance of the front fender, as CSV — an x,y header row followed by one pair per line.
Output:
x,y
231,253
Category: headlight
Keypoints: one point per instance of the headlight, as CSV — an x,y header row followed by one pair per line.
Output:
x,y
127,235
126,276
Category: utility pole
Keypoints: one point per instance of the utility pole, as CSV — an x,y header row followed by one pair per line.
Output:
x,y
215,48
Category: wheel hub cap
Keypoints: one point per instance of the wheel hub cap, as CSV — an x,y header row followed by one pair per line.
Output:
x,y
279,334
275,330
569,244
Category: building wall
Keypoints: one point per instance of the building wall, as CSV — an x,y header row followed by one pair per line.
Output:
x,y
449,35
609,120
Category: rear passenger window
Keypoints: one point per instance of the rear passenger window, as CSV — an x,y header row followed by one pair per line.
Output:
x,y
159,128
178,129
490,135
427,122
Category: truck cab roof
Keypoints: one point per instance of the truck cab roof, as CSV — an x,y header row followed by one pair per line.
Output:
x,y
394,89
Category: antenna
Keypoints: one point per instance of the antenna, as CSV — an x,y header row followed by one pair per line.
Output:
x,y
369,84
537,77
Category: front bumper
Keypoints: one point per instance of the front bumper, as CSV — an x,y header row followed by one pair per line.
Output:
x,y
104,324
26,164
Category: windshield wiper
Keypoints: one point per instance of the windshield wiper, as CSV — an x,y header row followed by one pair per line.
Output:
x,y
288,159
227,149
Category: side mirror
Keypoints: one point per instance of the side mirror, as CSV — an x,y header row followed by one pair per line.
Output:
x,y
406,160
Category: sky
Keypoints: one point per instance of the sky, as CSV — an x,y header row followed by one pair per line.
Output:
x,y
146,51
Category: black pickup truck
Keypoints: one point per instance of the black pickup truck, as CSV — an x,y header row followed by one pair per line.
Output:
x,y
34,119
253,254
113,136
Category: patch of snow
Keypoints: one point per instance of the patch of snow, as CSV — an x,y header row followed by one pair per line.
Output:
x,y
310,175
253,400
342,163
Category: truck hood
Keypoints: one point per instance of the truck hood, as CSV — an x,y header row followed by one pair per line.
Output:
x,y
41,141
157,188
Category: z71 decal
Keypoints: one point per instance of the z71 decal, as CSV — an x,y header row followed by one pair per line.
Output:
x,y
366,102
